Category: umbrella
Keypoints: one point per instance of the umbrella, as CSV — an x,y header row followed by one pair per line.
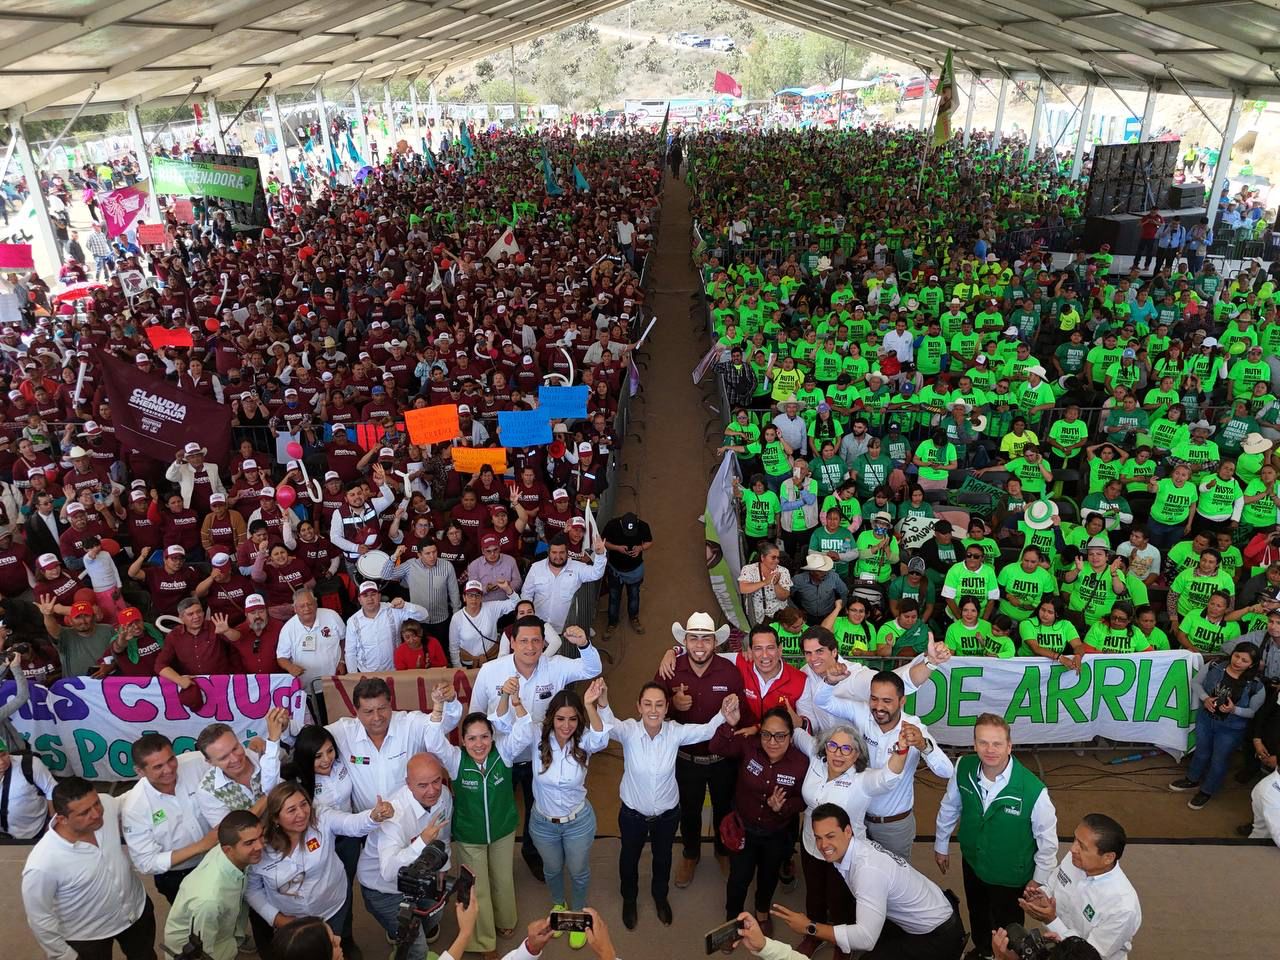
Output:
x,y
362,173
79,291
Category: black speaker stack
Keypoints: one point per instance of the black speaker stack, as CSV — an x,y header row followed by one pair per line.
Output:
x,y
1132,177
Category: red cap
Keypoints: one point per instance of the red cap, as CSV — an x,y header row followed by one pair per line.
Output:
x,y
489,541
80,609
128,615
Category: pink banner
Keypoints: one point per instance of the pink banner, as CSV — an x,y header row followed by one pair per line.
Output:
x,y
121,207
16,256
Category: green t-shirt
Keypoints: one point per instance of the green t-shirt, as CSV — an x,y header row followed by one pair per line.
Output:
x,y
1104,639
1027,588
1056,636
761,511
977,641
930,453
823,540
1194,590
1173,503
1068,432
878,565
962,582
1208,637
1092,594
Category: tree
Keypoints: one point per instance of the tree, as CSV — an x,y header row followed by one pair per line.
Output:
x,y
601,84
484,70
771,63
827,60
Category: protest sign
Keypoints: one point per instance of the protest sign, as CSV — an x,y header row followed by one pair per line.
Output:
x,y
16,256
184,210
1135,698
437,424
410,689
563,403
471,459
85,727
523,428
157,418
152,235
132,282
191,178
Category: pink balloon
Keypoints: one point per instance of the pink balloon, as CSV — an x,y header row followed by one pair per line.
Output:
x,y
294,449
286,496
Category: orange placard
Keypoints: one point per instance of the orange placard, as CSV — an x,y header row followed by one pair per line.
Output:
x,y
471,459
437,424
152,235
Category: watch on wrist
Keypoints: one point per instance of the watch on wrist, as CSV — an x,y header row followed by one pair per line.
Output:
x,y
811,929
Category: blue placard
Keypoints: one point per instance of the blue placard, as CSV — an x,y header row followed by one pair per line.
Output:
x,y
563,403
523,428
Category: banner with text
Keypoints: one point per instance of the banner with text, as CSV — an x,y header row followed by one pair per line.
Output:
x,y
410,689
1137,698
85,727
156,417
188,178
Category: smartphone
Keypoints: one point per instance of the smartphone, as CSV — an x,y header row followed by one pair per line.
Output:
x,y
463,886
574,921
722,936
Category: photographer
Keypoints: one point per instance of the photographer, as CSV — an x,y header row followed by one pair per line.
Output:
x,y
1089,895
423,813
1072,948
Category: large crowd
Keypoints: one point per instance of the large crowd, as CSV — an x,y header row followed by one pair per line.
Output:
x,y
880,344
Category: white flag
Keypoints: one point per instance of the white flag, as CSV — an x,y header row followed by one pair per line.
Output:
x,y
436,282
505,245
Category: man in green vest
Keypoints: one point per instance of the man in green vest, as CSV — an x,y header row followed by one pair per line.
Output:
x,y
1008,830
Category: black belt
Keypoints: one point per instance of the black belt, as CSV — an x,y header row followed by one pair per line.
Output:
x,y
701,759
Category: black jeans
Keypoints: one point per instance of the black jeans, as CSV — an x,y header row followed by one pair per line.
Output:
x,y
944,942
660,833
522,778
137,941
694,780
169,882
762,858
990,906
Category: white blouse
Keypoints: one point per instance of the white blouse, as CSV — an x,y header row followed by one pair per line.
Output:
x,y
560,789
851,790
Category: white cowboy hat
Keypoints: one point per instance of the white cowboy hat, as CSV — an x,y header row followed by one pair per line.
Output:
x,y
1039,371
818,563
1253,443
1039,514
824,263
700,623
1204,425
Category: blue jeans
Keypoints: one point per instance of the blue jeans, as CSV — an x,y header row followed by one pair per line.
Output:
x,y
1216,743
631,579
1164,535
385,908
566,846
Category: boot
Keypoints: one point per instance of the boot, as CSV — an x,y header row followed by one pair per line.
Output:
x,y
684,872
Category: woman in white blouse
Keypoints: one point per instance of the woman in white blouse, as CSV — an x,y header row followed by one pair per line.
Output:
x,y
563,823
300,874
837,774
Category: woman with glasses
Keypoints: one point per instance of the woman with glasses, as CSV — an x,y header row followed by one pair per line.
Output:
x,y
838,774
300,873
766,798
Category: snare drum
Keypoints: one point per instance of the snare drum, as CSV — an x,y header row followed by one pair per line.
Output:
x,y
370,565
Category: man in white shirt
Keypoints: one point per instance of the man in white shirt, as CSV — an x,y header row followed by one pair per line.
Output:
x,y
78,886
890,817
310,644
1001,854
163,827
553,582
1266,808
538,679
234,778
1089,896
424,810
901,912
473,631
26,786
377,742
373,631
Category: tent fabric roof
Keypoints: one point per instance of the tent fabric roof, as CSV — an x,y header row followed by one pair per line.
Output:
x,y
54,52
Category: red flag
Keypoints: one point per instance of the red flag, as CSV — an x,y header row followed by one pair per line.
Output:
x,y
16,256
162,337
197,113
155,417
726,84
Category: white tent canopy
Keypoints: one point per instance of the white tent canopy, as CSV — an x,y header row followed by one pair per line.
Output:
x,y
53,55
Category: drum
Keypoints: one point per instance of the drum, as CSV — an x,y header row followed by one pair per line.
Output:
x,y
370,565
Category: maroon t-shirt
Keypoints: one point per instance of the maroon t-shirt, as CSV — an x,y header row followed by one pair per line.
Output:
x,y
182,528
62,588
256,653
228,597
282,581
14,564
167,589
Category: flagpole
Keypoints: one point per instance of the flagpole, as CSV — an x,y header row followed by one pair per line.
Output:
x,y
840,110
928,141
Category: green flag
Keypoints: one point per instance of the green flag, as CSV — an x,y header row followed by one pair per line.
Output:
x,y
467,146
946,94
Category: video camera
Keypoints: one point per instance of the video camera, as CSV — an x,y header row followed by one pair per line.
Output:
x,y
1034,945
425,887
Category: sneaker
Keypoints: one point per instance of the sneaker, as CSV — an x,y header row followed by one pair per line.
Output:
x,y
559,908
1180,786
636,626
1199,800
577,940
610,630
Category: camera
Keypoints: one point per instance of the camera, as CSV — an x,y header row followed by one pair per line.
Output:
x,y
1028,944
424,888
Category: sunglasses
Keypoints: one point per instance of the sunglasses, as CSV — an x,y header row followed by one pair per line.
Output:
x,y
974,556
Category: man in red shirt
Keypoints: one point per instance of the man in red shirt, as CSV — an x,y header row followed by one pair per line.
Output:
x,y
199,646
1148,227
226,590
254,646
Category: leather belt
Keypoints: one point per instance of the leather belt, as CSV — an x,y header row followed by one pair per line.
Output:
x,y
894,819
582,808
699,759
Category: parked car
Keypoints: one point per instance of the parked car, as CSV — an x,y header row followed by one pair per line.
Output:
x,y
702,42
722,43
913,89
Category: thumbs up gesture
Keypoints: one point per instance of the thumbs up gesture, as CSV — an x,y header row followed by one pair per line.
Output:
x,y
382,810
680,699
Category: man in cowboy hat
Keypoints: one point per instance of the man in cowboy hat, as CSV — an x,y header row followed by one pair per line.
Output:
x,y
815,590
699,685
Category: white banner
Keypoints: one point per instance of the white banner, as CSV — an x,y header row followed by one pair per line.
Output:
x,y
724,556
85,727
1136,698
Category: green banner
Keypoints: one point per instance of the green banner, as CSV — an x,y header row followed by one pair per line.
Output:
x,y
183,179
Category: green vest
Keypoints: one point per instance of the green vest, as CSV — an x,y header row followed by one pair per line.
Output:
x,y
484,801
998,844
